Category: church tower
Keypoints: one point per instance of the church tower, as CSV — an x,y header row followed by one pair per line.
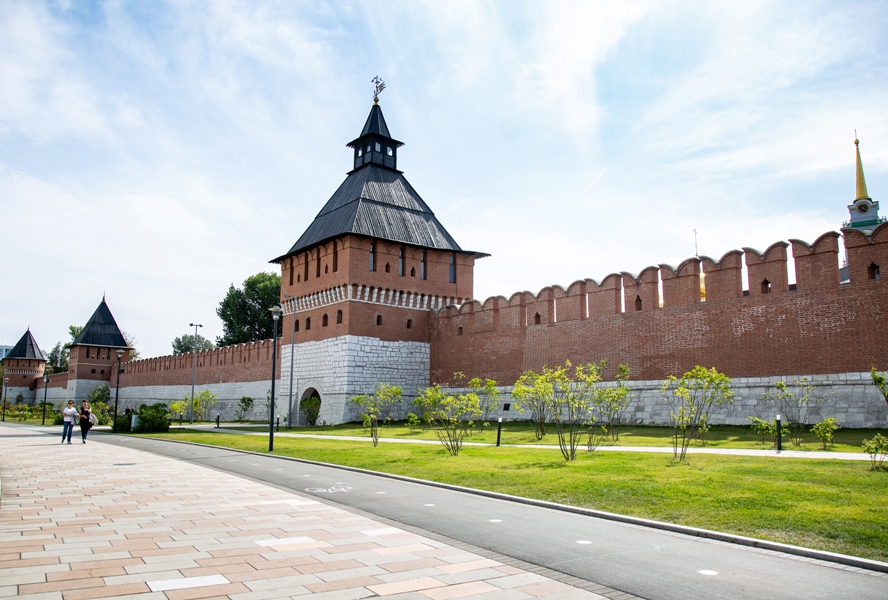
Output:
x,y
864,212
358,286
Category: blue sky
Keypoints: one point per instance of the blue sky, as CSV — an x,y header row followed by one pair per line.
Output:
x,y
159,152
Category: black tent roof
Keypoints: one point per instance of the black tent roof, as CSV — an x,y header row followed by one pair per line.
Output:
x,y
377,202
26,347
101,330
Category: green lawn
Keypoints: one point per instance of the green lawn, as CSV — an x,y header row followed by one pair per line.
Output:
x,y
827,504
720,436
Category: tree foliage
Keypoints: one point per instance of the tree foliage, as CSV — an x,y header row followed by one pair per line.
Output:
x,y
532,392
825,431
188,342
692,399
57,359
614,401
99,394
450,416
381,404
880,381
244,311
204,403
311,406
488,397
244,407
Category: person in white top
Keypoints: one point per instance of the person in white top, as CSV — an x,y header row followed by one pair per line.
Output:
x,y
71,415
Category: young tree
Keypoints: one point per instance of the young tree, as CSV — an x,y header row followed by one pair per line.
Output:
x,y
449,415
533,392
615,401
178,408
204,403
794,402
100,394
244,311
575,397
692,398
244,407
880,381
488,396
57,359
188,342
380,405
311,406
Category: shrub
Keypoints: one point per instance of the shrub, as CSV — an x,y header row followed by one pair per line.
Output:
x,y
449,416
100,410
244,407
877,448
100,394
794,402
124,424
825,430
413,422
153,419
311,406
760,426
692,399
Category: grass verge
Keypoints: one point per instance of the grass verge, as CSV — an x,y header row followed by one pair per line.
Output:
x,y
825,504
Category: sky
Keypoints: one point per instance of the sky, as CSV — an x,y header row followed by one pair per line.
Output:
x,y
159,152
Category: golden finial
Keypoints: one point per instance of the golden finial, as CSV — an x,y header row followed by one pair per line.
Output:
x,y
380,85
861,182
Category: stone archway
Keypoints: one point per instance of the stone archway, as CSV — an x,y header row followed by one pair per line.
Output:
x,y
309,417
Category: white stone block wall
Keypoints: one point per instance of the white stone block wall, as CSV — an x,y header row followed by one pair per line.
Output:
x,y
227,396
12,393
347,366
850,398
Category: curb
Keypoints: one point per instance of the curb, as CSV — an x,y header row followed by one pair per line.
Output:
x,y
832,557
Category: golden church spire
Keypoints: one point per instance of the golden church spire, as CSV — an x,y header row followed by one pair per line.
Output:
x,y
861,182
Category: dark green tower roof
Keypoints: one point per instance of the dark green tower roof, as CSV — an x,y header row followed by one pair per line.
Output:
x,y
101,330
26,347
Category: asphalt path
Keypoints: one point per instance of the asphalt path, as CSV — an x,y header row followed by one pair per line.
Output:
x,y
638,560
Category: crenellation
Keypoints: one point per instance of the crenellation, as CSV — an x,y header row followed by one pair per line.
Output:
x,y
767,271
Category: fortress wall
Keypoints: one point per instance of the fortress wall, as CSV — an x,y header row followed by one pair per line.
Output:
x,y
815,326
850,398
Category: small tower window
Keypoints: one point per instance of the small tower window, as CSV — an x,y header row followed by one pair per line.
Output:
x,y
378,147
388,269
307,323
318,266
536,319
412,272
326,269
459,331
338,317
422,267
401,262
372,256
305,276
453,268
409,323
873,271
291,270
324,321
368,147
379,319
296,325
388,150
360,151
766,287
638,303
335,256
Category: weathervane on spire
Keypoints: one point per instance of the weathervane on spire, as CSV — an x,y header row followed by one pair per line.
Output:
x,y
380,85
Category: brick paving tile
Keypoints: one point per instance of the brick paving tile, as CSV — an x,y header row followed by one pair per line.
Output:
x,y
470,565
341,584
61,586
410,565
106,591
543,588
206,591
460,591
45,596
491,575
409,585
253,574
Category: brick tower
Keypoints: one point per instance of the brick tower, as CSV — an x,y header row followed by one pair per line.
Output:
x,y
23,367
358,285
94,354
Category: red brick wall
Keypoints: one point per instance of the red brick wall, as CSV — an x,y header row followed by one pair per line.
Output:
x,y
822,327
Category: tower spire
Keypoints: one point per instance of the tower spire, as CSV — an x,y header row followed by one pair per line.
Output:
x,y
861,182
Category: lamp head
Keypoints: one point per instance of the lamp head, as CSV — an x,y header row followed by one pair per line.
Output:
x,y
46,379
275,312
119,354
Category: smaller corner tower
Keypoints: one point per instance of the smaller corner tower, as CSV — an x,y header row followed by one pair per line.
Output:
x,y
94,353
23,367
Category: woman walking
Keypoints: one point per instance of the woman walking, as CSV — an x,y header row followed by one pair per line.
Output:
x,y
85,420
70,413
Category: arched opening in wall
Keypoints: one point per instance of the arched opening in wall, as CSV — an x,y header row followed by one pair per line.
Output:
x,y
459,331
335,256
291,270
413,271
537,319
379,319
872,271
638,303
318,264
324,320
401,261
409,323
307,323
766,286
310,407
298,278
93,370
423,270
372,256
388,269
296,325
452,268
338,317
326,269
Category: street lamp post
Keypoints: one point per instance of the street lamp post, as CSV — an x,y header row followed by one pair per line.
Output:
x,y
45,385
5,395
117,391
292,353
275,315
193,368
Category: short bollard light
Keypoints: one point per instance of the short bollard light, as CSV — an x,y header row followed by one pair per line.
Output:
x,y
499,430
779,436
218,418
278,423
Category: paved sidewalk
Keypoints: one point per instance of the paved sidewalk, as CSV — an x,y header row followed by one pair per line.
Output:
x,y
94,521
861,456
